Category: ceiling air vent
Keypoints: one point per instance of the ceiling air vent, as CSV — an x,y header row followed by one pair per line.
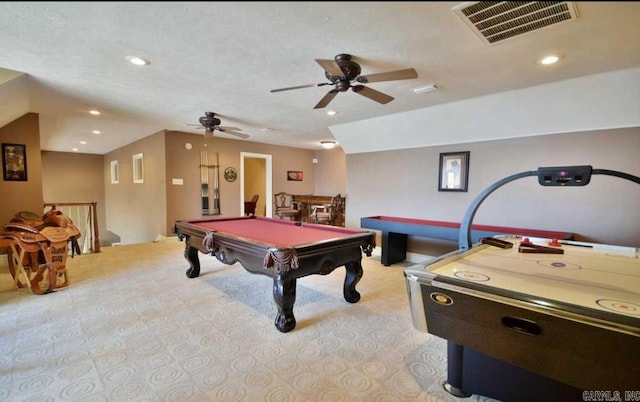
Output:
x,y
495,21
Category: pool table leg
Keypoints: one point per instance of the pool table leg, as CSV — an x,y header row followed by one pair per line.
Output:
x,y
284,295
354,274
191,255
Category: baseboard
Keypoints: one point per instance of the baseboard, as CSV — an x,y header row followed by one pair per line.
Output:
x,y
411,257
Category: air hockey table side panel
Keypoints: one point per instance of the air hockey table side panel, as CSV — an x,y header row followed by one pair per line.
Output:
x,y
578,354
534,337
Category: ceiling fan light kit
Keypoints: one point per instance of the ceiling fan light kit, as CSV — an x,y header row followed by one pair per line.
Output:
x,y
211,123
343,74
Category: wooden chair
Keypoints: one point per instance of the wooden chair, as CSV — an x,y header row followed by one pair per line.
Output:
x,y
328,214
250,206
284,206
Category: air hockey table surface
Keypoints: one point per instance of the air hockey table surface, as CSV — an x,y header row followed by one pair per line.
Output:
x,y
573,317
587,275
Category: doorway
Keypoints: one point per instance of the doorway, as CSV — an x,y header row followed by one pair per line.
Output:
x,y
256,178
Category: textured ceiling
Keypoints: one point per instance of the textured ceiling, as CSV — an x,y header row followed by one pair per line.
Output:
x,y
225,57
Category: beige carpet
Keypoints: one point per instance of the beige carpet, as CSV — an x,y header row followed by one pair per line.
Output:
x,y
132,327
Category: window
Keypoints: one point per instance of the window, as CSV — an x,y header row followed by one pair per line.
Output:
x,y
114,172
138,169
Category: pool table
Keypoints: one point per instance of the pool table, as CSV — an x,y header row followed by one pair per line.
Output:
x,y
283,250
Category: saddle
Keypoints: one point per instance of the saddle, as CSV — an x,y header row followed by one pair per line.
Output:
x,y
40,248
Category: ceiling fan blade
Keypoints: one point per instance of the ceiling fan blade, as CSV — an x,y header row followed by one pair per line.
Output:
x,y
296,87
372,94
326,99
227,131
406,74
228,128
331,67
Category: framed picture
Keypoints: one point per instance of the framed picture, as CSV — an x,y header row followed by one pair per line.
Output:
x,y
454,171
294,175
14,162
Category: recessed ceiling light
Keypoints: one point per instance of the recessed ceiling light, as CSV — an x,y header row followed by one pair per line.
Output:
x,y
83,142
332,112
96,131
551,59
424,88
74,149
94,112
138,61
328,144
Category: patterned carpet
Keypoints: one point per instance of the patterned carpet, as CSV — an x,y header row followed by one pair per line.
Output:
x,y
132,327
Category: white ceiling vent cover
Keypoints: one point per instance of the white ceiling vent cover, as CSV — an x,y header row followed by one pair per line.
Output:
x,y
495,21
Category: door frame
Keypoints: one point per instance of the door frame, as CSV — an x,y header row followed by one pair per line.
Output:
x,y
268,180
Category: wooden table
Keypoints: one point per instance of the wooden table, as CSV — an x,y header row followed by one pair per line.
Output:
x,y
306,203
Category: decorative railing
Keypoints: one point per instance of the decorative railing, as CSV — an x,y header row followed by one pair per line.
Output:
x,y
85,217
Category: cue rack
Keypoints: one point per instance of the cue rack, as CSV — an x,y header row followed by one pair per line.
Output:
x,y
204,183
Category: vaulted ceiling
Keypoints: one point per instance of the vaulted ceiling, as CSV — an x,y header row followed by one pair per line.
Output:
x,y
61,59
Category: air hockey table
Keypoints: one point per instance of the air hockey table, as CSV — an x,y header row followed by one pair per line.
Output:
x,y
533,319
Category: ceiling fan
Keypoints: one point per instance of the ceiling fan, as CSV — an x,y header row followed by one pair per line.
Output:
x,y
343,73
211,123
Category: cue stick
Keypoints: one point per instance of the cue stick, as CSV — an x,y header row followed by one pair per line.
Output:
x,y
204,182
216,186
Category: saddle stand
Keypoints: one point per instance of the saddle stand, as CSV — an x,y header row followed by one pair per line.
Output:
x,y
39,250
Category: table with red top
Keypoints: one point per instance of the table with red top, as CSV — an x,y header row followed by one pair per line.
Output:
x,y
283,250
395,231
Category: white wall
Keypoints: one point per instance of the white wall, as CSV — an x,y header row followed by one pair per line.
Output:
x,y
404,183
14,96
594,102
330,172
136,212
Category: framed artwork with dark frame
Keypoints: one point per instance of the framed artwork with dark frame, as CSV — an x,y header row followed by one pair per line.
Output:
x,y
14,162
294,175
454,171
